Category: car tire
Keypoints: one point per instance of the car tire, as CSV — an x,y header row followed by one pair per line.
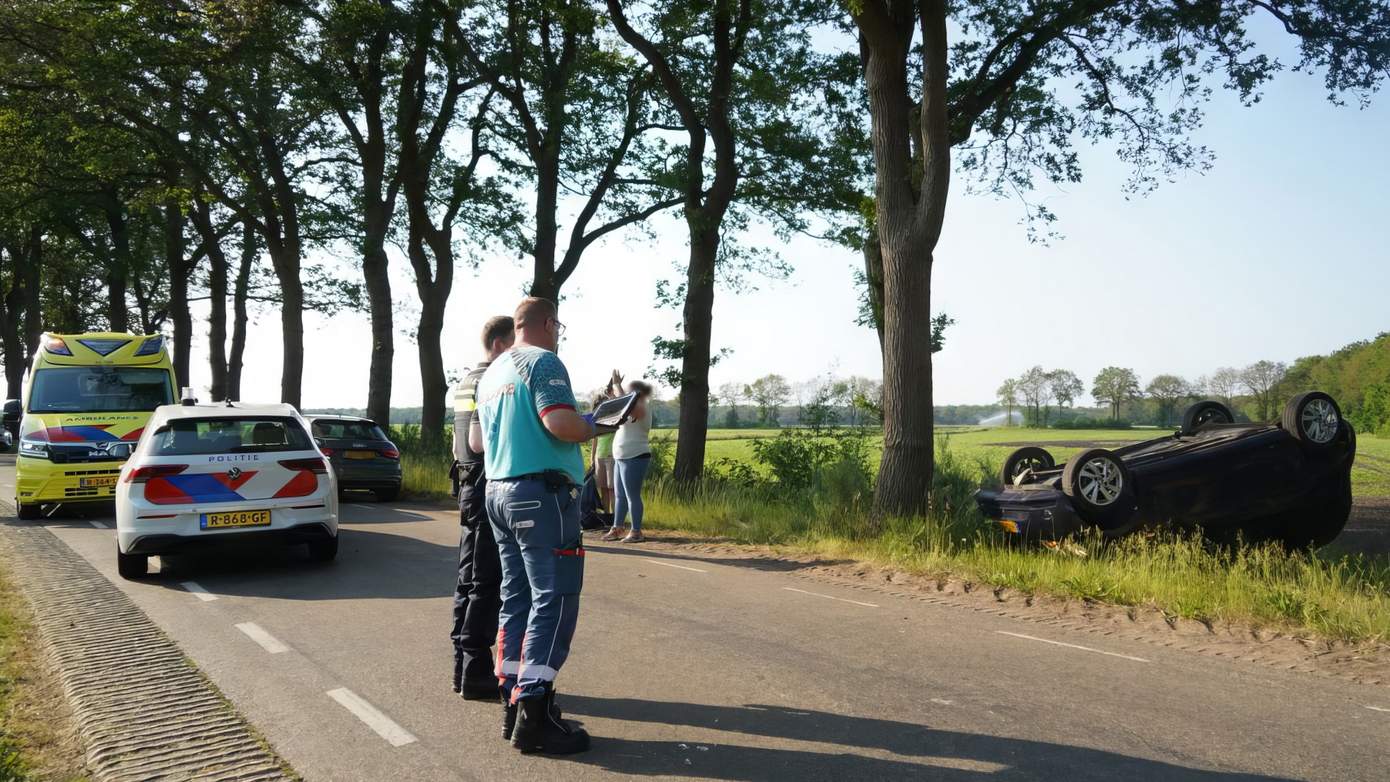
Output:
x,y
324,550
1028,457
132,565
1207,412
27,511
1313,419
1098,485
387,495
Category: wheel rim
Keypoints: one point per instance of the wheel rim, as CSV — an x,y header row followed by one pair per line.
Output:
x,y
1100,481
1025,465
1212,416
1319,421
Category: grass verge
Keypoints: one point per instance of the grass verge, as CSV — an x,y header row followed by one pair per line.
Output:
x,y
35,743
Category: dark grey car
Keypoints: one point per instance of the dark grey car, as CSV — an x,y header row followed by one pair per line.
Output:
x,y
363,458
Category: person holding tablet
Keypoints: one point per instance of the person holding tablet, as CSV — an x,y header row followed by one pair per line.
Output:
x,y
632,457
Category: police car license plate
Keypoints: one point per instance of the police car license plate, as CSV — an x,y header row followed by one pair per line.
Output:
x,y
236,518
361,454
100,480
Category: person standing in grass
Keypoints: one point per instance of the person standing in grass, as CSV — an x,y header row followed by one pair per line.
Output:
x,y
632,457
601,456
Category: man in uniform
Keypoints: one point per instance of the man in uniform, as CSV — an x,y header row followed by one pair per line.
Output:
x,y
529,431
476,594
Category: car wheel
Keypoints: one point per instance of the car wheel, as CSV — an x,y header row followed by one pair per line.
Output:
x,y
1098,484
1313,419
324,550
1203,413
132,565
1024,459
27,511
387,495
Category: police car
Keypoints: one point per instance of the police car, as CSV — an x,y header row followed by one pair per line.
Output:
x,y
208,475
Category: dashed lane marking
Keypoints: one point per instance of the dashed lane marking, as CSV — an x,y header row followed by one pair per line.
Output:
x,y
384,726
943,701
97,524
678,567
830,597
360,505
1379,708
198,591
1073,646
258,634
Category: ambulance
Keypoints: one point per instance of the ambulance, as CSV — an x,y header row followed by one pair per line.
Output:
x,y
87,398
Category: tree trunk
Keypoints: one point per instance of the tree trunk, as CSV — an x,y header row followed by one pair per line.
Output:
x,y
239,317
873,277
11,325
543,281
217,299
118,270
698,317
433,385
33,283
286,262
177,267
378,281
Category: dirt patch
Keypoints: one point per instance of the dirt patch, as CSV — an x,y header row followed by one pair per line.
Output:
x,y
1069,443
37,720
1361,663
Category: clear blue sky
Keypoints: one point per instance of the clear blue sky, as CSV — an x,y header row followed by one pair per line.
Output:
x,y
1279,251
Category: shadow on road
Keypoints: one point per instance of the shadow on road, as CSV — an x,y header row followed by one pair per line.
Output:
x,y
768,564
941,755
370,565
370,513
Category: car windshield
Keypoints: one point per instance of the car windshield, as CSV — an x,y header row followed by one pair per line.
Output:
x,y
198,436
99,389
347,430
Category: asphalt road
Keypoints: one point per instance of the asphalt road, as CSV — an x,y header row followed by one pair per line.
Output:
x,y
692,667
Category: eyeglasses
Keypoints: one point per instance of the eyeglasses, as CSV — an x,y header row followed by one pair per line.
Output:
x,y
559,327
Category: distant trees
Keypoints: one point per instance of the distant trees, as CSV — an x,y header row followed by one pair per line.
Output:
x,y
1007,395
1167,391
1224,384
769,393
1115,386
1262,380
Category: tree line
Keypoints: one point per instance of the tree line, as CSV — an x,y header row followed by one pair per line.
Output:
x,y
155,153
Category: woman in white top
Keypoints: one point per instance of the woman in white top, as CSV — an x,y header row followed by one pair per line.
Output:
x,y
632,456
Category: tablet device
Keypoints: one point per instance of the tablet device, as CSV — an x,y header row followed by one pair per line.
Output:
x,y
615,412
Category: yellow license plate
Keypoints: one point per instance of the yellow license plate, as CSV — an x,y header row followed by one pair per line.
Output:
x,y
100,480
361,454
236,518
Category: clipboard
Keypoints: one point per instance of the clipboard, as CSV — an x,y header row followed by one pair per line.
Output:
x,y
615,412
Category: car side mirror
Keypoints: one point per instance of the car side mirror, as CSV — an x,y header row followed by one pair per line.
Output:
x,y
121,450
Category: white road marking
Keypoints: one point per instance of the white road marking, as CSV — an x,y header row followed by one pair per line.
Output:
x,y
1073,646
363,506
1379,708
384,726
943,701
830,597
258,634
197,589
680,567
97,524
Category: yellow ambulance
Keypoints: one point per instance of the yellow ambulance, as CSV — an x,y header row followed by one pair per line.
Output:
x,y
87,398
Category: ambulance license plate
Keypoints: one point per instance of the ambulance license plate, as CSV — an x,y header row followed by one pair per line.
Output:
x,y
361,454
236,518
100,480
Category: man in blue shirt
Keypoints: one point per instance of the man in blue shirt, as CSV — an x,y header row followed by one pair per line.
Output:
x,y
529,431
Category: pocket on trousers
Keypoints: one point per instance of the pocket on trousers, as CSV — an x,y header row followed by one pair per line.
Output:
x,y
569,570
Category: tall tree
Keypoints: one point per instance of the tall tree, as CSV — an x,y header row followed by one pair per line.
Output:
x,y
1007,394
1167,391
1262,379
1115,386
1000,94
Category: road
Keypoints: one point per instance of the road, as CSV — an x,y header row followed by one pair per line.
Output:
x,y
689,667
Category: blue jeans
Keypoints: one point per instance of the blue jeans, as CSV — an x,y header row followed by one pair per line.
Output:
x,y
628,475
538,540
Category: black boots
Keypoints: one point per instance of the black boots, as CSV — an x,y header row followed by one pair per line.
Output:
x,y
509,710
474,679
480,689
540,729
458,674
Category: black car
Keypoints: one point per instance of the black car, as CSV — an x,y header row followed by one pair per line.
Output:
x,y
362,457
1288,481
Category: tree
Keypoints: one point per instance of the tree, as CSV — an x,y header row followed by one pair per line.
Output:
x,y
1066,386
768,393
1000,94
1167,391
1262,380
1008,397
1224,384
1115,386
1035,388
732,394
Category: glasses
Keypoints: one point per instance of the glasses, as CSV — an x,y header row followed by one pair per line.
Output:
x,y
559,327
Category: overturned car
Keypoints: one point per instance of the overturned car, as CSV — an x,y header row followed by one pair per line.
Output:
x,y
1288,481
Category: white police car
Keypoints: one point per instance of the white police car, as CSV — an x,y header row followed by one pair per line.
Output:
x,y
206,475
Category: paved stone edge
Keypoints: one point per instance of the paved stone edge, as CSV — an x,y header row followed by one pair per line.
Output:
x,y
143,710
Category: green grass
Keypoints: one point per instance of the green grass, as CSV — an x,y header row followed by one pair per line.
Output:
x,y
1334,596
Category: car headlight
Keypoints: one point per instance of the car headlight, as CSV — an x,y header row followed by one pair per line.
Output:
x,y
35,449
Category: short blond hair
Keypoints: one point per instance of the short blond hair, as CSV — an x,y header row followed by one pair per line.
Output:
x,y
533,311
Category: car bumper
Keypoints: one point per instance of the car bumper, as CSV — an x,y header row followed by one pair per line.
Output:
x,y
295,523
367,476
42,481
1032,514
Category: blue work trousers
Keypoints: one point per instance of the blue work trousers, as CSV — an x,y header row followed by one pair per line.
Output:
x,y
538,540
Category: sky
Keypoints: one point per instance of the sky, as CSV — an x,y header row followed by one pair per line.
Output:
x,y
1281,250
